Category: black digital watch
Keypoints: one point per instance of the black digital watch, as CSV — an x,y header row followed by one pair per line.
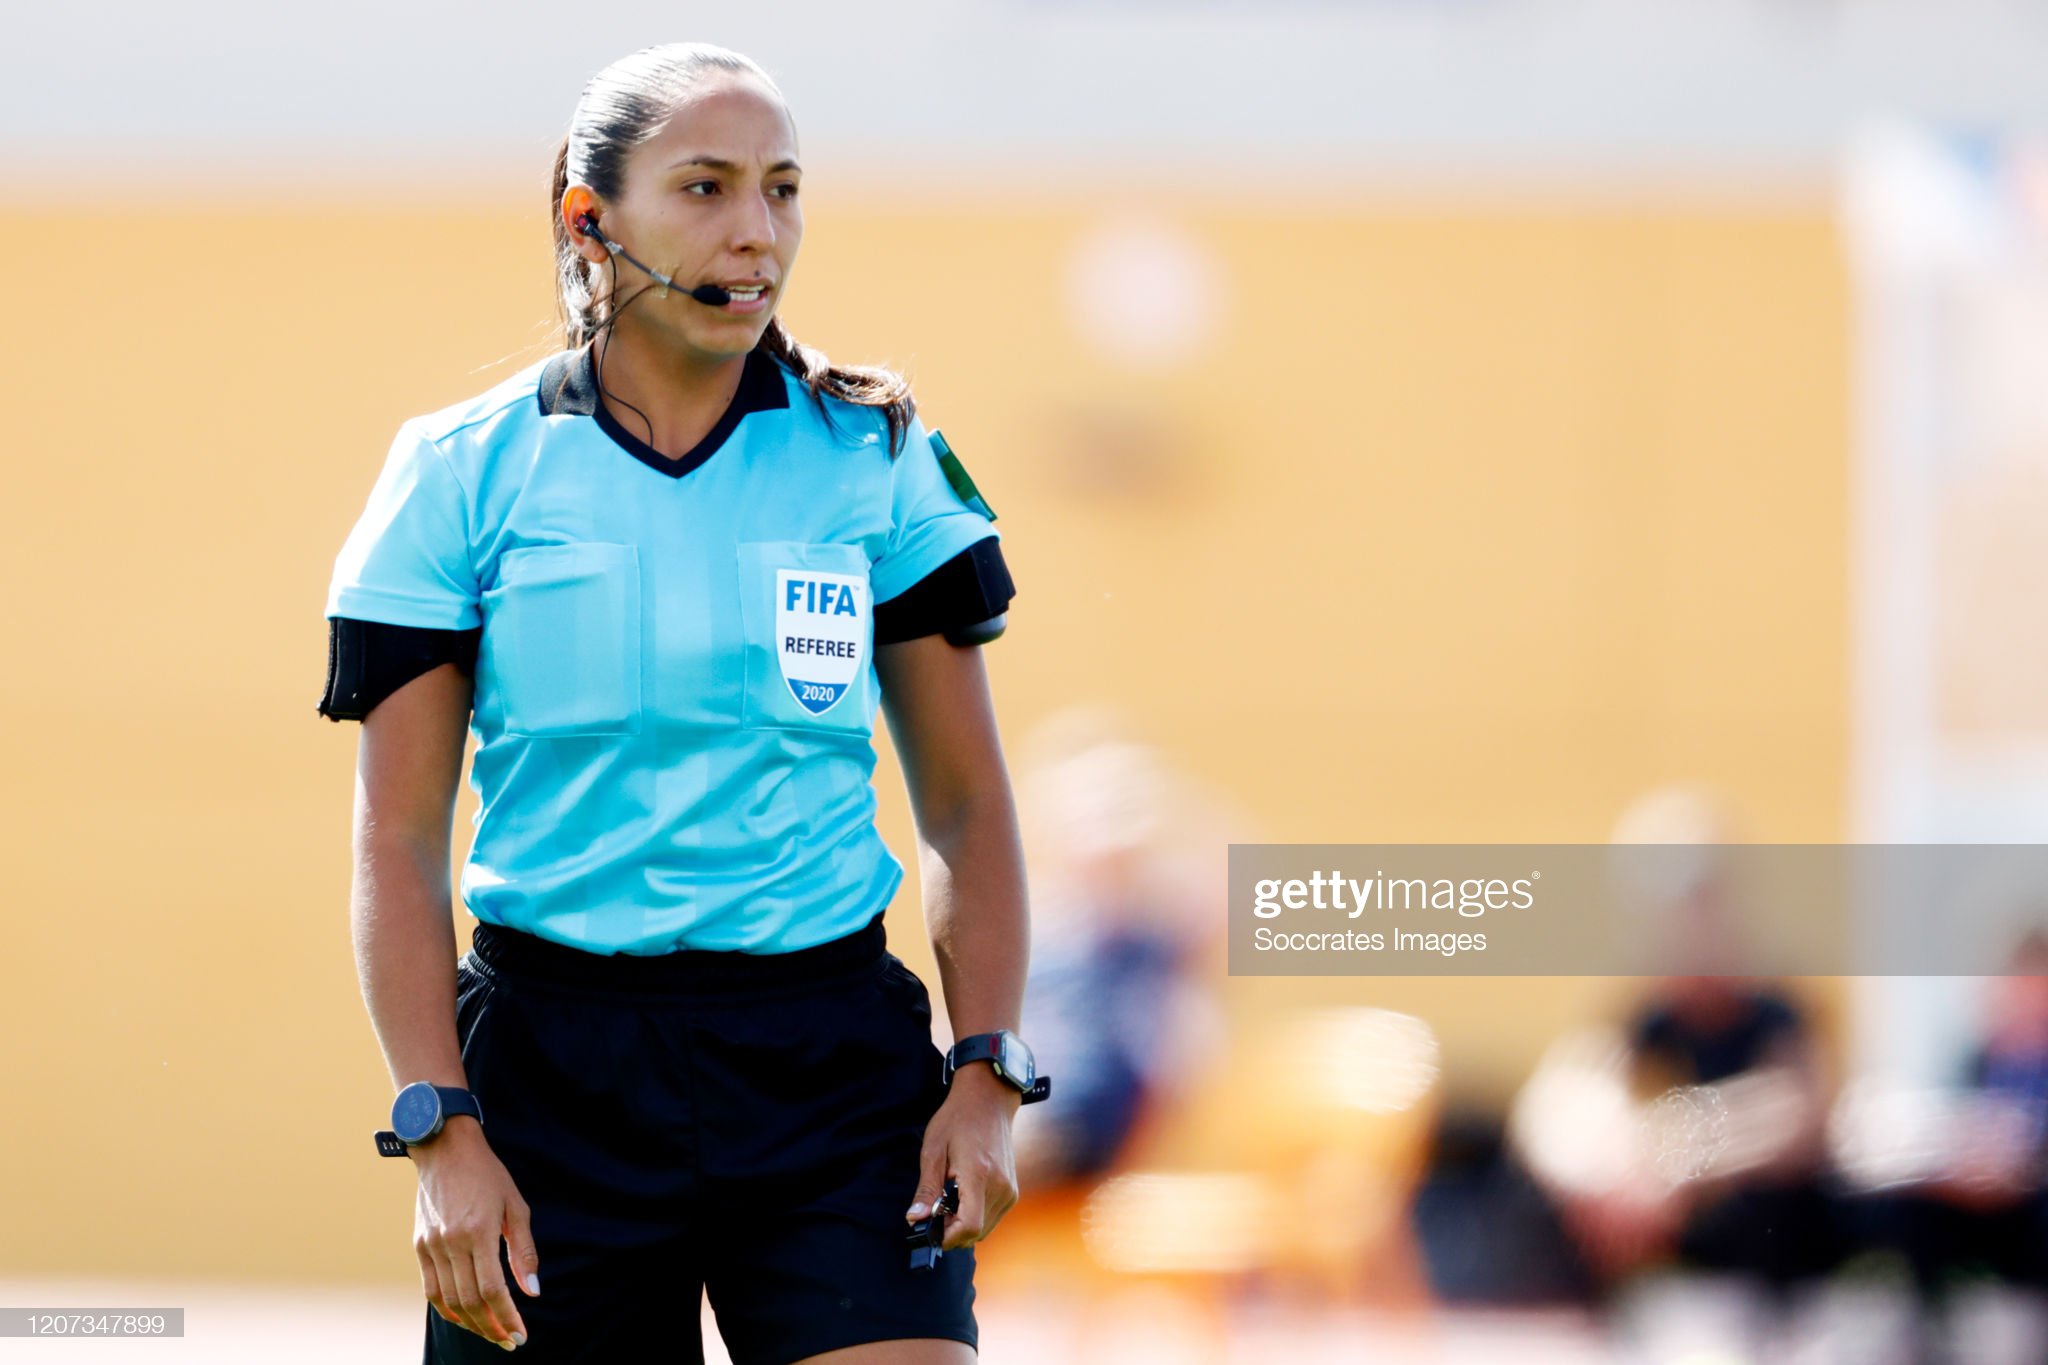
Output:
x,y
419,1113
1006,1052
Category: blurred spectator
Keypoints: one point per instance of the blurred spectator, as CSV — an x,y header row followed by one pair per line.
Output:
x,y
1695,1138
1976,1210
1736,1067
1127,894
1524,1257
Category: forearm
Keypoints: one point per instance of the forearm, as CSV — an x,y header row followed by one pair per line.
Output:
x,y
975,908
403,924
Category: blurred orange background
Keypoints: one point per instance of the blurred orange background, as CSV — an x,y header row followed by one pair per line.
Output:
x,y
1450,520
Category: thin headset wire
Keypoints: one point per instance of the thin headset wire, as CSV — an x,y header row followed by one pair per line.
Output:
x,y
597,355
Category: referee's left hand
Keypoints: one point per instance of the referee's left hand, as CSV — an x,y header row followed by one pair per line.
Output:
x,y
969,1140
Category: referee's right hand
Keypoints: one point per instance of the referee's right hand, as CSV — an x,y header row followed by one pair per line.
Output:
x,y
467,1201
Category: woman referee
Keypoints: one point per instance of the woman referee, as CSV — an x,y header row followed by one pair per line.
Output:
x,y
665,577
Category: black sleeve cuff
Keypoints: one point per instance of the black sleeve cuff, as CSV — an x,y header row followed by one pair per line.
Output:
x,y
966,599
369,660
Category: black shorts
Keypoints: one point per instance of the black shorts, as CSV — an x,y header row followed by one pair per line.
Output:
x,y
745,1122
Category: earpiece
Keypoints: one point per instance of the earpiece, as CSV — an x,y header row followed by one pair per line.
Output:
x,y
704,293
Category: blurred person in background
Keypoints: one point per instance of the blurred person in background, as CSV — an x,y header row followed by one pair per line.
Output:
x,y
1172,1151
1976,1212
1695,1138
1127,886
1475,1179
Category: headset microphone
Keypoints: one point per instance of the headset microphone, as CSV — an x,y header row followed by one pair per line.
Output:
x,y
703,293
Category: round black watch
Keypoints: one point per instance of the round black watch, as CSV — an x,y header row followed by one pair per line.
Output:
x,y
419,1113
1006,1053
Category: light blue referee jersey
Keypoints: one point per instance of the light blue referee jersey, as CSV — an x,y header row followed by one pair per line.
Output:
x,y
675,688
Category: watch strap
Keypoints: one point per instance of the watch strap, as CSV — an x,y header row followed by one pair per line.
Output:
x,y
987,1047
390,1144
455,1100
981,1047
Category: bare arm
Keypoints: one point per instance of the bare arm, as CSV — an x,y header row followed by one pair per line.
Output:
x,y
402,918
970,857
401,914
936,698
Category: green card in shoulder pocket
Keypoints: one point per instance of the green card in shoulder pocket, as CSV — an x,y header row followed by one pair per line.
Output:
x,y
957,475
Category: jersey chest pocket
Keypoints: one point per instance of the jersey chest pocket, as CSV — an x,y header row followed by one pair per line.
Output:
x,y
808,615
562,639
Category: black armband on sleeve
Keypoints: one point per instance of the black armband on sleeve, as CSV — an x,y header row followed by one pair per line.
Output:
x,y
967,599
369,660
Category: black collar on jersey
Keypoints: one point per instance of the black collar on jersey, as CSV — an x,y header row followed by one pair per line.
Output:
x,y
568,388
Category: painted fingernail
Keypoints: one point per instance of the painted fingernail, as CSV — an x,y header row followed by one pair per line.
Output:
x,y
917,1210
519,1338
532,1283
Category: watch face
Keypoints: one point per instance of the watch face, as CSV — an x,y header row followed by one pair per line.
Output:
x,y
1015,1060
416,1113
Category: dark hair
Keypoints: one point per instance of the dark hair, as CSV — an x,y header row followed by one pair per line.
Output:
x,y
623,106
